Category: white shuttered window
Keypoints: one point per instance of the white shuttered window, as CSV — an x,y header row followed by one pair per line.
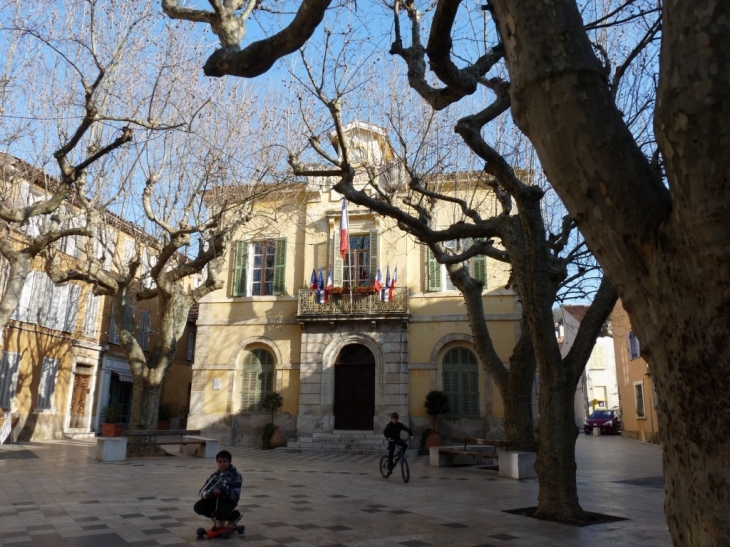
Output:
x,y
145,322
8,378
91,314
47,386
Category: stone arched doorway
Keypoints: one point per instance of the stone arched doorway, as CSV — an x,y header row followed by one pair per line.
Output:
x,y
354,404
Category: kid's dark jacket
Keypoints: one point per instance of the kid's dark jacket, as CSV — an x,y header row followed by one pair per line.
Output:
x,y
229,483
392,431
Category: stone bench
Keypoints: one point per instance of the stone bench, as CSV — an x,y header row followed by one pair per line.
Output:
x,y
190,441
114,449
447,456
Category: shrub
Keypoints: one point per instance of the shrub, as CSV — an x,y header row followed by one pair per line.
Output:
x,y
266,437
272,402
113,413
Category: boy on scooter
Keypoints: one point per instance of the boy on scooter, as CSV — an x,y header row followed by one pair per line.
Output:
x,y
220,493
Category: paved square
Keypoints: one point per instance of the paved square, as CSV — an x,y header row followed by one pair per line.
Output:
x,y
56,494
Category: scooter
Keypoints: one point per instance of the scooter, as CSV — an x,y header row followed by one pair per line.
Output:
x,y
220,531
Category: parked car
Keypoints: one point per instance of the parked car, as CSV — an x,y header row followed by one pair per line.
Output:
x,y
608,420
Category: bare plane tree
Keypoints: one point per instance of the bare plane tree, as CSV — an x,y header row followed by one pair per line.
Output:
x,y
539,269
71,124
197,187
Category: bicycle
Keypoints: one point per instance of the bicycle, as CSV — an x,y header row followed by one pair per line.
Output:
x,y
399,458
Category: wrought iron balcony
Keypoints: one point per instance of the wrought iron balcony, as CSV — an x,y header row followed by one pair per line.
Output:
x,y
358,303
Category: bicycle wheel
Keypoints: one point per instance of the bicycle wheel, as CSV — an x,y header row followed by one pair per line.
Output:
x,y
405,471
384,466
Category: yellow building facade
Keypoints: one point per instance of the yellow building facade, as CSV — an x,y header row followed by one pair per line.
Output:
x,y
61,361
346,362
636,389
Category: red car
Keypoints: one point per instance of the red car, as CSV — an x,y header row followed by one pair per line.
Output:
x,y
607,420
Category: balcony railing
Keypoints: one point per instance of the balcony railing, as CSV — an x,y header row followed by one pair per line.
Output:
x,y
356,303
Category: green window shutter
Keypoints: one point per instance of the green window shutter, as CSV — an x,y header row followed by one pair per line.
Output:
x,y
479,267
267,379
461,382
434,272
470,393
279,266
240,265
374,254
451,389
248,402
339,264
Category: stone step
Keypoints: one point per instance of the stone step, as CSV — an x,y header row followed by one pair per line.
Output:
x,y
370,442
347,435
328,446
350,451
85,435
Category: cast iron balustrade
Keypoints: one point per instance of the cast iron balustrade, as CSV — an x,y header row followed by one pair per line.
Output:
x,y
356,303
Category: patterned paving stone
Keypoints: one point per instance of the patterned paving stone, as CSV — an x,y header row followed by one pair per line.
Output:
x,y
319,500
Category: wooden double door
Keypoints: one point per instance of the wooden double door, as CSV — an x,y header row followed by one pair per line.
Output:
x,y
354,405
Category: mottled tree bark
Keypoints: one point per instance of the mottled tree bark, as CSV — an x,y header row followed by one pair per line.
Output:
x,y
519,423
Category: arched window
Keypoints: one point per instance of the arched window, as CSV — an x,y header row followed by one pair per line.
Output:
x,y
258,379
461,382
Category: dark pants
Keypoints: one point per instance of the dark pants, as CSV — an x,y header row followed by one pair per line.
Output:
x,y
391,448
207,508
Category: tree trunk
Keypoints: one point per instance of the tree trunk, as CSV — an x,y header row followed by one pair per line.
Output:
x,y
555,466
145,404
689,354
514,386
665,249
519,425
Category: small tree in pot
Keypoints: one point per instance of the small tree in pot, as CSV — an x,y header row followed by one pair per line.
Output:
x,y
272,437
436,404
112,424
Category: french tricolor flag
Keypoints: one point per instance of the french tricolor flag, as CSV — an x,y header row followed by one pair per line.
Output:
x,y
344,229
378,283
321,299
392,283
385,293
313,285
328,287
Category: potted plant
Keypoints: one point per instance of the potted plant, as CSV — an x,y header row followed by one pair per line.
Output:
x,y
272,437
112,424
164,415
436,404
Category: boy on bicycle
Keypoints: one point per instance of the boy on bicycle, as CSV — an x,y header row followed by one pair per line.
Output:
x,y
392,433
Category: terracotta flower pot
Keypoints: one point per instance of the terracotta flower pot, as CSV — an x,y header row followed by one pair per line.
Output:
x,y
277,439
111,430
434,439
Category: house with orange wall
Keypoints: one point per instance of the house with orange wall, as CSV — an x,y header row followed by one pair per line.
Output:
x,y
636,388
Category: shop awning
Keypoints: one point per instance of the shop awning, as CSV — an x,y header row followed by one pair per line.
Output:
x,y
124,376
